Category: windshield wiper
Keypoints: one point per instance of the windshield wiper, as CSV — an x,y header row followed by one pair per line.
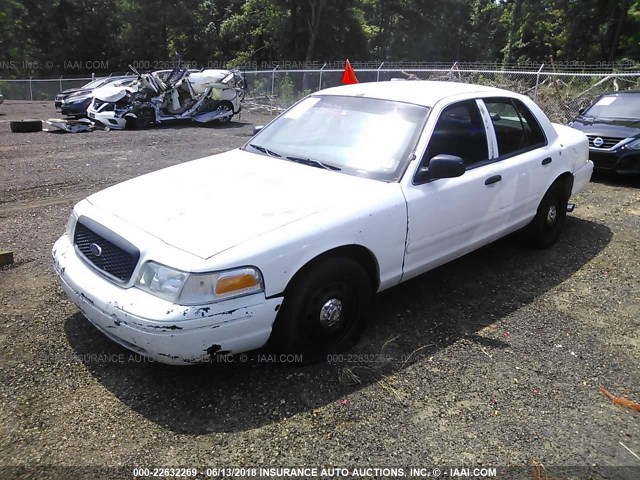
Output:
x,y
314,163
265,150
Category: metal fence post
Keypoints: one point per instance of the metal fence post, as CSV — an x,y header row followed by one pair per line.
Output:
x,y
273,86
450,74
320,82
61,83
535,93
273,81
30,89
378,72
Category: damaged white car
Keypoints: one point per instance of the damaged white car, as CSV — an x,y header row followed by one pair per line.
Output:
x,y
351,191
183,94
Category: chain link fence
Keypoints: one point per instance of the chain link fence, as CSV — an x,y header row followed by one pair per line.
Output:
x,y
559,93
38,89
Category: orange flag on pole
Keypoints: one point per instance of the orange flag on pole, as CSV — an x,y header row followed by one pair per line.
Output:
x,y
348,76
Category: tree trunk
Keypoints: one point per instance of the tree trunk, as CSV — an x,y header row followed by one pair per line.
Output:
x,y
513,31
317,9
615,41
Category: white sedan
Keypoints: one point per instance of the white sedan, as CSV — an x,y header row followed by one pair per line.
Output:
x,y
285,241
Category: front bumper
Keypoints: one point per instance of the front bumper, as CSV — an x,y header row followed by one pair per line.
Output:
x,y
622,160
156,328
108,119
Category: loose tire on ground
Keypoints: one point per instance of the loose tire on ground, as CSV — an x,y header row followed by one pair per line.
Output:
x,y
324,310
546,227
25,126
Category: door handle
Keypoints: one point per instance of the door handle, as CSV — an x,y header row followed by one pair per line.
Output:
x,y
547,161
492,180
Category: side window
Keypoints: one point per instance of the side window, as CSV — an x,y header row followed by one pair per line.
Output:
x,y
460,132
517,129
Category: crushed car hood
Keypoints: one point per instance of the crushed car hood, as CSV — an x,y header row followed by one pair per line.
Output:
x,y
110,93
210,205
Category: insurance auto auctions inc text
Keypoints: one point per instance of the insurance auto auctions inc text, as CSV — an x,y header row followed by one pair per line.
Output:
x,y
359,472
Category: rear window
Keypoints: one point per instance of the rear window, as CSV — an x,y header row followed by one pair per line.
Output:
x,y
517,130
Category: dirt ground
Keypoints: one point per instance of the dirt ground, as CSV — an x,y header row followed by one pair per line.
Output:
x,y
493,360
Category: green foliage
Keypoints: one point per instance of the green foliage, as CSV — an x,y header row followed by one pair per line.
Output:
x,y
76,37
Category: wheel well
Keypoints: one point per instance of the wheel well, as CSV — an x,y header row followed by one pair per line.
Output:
x,y
566,179
358,253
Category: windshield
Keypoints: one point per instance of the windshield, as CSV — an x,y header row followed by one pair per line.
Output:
x,y
355,135
624,105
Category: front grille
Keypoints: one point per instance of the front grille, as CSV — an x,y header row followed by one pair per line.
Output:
x,y
609,142
116,257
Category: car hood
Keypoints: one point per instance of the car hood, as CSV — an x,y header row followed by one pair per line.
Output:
x,y
69,91
110,93
82,91
210,205
78,96
607,127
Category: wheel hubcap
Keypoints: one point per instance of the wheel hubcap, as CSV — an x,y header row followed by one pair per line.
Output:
x,y
552,214
331,313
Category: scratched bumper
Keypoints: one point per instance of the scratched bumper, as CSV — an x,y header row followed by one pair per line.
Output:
x,y
159,329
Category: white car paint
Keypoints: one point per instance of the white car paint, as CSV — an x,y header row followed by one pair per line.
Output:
x,y
241,208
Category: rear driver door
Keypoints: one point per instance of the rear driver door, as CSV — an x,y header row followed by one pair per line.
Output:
x,y
449,217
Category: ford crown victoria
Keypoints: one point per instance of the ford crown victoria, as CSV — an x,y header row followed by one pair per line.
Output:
x,y
285,240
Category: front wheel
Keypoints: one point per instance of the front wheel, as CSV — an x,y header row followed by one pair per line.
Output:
x,y
546,227
225,107
324,310
144,117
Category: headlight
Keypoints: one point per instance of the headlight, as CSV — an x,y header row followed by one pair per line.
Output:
x,y
71,225
161,281
199,288
635,145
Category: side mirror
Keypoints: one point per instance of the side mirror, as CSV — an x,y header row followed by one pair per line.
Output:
x,y
582,110
440,166
257,128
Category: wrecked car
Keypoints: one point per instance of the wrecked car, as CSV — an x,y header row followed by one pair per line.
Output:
x,y
202,96
285,240
92,85
75,104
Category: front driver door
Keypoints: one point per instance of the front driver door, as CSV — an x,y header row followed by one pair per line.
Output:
x,y
449,217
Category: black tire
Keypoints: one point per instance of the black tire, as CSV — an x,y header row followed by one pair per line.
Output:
x,y
225,107
145,116
25,126
546,227
324,310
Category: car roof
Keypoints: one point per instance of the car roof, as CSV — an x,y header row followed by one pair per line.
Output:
x,y
419,92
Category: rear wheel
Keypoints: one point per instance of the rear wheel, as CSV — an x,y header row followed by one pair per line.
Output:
x,y
546,227
324,310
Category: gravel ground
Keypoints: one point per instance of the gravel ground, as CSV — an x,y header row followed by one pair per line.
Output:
x,y
493,360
